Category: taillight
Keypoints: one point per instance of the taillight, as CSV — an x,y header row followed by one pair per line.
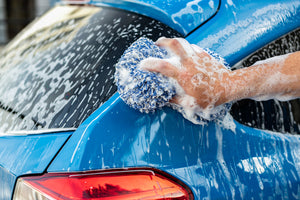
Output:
x,y
113,184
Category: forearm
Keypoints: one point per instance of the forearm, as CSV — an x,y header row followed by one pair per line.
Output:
x,y
205,80
278,78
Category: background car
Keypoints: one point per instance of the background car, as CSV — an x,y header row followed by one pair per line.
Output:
x,y
66,134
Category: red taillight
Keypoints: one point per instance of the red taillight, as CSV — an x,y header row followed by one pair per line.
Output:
x,y
114,184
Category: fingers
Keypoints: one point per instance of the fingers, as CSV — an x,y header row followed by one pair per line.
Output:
x,y
190,55
160,66
178,46
201,53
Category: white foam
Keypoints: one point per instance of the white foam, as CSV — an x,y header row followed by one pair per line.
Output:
x,y
257,25
199,77
276,79
228,123
211,4
188,10
229,2
189,49
207,69
124,76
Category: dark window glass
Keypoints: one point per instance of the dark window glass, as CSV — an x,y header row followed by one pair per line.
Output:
x,y
271,115
60,69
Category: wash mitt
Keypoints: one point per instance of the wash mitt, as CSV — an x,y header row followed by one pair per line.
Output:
x,y
148,91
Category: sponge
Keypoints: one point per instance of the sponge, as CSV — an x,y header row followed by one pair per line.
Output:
x,y
147,91
140,89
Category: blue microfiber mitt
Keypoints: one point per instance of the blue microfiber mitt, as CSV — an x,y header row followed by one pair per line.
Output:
x,y
142,90
148,91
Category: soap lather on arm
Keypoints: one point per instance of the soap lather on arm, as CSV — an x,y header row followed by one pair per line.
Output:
x,y
205,80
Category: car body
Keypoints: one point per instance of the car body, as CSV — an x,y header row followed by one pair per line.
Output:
x,y
67,120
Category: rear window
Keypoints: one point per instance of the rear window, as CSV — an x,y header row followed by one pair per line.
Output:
x,y
60,69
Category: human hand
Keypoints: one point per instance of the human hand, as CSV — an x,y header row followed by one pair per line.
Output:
x,y
199,75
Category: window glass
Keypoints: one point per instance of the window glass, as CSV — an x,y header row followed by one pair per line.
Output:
x,y
60,69
271,115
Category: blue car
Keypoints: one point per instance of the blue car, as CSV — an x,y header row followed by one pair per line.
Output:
x,y
66,134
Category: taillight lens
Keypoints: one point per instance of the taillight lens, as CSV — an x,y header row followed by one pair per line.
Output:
x,y
114,184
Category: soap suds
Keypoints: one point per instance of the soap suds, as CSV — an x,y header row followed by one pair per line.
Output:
x,y
276,79
206,67
141,91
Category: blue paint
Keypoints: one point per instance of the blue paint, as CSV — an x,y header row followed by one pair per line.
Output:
x,y
7,182
240,28
208,158
227,161
181,15
147,91
28,154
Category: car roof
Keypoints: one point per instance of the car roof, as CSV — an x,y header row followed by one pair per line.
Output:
x,y
182,15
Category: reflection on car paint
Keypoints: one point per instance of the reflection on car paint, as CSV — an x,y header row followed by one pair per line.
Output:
x,y
181,15
244,29
21,155
193,13
217,160
262,24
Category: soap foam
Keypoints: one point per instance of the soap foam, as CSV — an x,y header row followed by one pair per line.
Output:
x,y
277,79
147,91
187,104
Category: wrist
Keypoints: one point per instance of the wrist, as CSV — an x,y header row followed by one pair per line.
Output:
x,y
237,85
245,83
225,89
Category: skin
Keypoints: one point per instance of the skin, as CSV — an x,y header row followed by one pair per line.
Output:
x,y
211,84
